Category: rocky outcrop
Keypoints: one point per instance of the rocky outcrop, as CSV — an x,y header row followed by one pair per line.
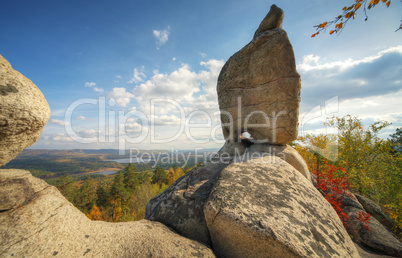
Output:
x,y
181,206
265,203
287,153
23,112
374,210
45,224
247,149
251,209
259,87
377,236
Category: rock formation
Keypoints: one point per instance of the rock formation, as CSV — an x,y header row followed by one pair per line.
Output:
x,y
247,149
265,203
42,223
23,112
378,237
247,209
258,200
259,87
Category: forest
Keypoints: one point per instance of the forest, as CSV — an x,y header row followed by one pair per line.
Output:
x,y
122,197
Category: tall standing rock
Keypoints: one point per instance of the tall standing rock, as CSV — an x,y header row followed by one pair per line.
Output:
x,y
259,87
23,112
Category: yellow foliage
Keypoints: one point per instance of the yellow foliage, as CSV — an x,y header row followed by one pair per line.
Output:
x,y
95,213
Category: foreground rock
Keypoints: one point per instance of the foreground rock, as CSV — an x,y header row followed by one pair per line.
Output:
x,y
254,208
181,206
49,225
23,112
259,87
377,237
264,207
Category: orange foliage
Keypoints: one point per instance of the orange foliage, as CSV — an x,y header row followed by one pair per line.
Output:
x,y
348,12
95,213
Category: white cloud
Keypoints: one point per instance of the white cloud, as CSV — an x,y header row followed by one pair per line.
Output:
x,y
59,122
138,75
121,96
117,78
92,85
98,89
203,54
162,36
313,62
82,118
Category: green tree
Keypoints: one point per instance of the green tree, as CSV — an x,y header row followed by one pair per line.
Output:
x,y
130,177
143,176
86,195
396,138
101,196
159,177
66,186
118,189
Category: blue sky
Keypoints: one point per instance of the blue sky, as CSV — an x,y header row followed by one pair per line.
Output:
x,y
99,58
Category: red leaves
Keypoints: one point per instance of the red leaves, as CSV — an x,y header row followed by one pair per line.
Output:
x,y
333,187
365,218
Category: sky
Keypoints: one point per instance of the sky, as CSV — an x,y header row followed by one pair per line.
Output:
x,y
142,74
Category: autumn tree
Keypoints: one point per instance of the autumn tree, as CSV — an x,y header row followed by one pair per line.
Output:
x,y
372,168
174,174
350,12
95,213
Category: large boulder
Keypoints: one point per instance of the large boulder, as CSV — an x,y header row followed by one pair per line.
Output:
x,y
375,210
48,225
259,87
23,112
252,208
181,205
266,208
373,234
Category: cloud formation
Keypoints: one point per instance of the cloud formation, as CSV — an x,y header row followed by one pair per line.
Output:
x,y
138,75
121,96
92,85
59,122
162,36
371,76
